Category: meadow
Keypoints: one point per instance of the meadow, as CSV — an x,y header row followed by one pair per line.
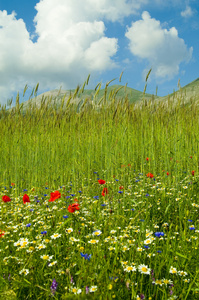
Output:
x,y
100,200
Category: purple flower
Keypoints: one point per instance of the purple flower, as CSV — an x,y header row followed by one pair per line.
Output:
x,y
87,289
54,286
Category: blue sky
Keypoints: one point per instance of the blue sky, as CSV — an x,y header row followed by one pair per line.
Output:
x,y
58,43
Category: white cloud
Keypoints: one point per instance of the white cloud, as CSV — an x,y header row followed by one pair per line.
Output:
x,y
163,49
188,12
71,43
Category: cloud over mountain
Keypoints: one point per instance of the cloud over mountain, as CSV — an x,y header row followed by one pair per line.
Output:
x,y
162,48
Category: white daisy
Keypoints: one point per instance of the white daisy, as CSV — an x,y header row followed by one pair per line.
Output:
x,y
144,269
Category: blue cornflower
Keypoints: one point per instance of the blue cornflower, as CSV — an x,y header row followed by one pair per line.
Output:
x,y
31,209
25,190
65,217
158,251
46,187
72,195
86,256
44,232
103,204
120,192
95,172
190,220
146,247
159,234
192,228
96,197
80,192
28,225
45,195
132,209
116,179
67,197
141,220
147,195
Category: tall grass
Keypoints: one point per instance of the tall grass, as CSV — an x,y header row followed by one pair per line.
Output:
x,y
68,147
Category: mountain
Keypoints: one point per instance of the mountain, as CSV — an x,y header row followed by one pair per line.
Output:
x,y
120,92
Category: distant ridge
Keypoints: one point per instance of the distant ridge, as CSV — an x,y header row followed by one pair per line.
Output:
x,y
120,92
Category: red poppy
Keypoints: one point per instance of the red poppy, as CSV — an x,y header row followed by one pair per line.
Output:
x,y
1,233
73,207
190,156
6,198
54,196
192,173
121,187
147,158
12,184
101,181
76,200
26,198
105,191
150,175
167,173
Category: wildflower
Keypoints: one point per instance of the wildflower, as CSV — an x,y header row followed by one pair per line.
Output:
x,y
96,197
121,187
192,227
148,241
97,232
55,236
144,269
75,290
120,192
192,173
73,207
158,281
69,230
87,289
182,273
2,233
52,263
101,181
5,198
105,191
26,198
167,281
54,196
44,232
85,256
46,257
130,269
65,217
159,234
186,280
54,286
173,270
28,225
24,272
167,173
147,159
41,246
93,289
150,175
93,241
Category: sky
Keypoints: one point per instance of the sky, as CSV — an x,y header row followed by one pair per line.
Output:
x,y
59,43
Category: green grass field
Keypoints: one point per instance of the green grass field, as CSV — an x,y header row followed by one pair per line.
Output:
x,y
122,179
